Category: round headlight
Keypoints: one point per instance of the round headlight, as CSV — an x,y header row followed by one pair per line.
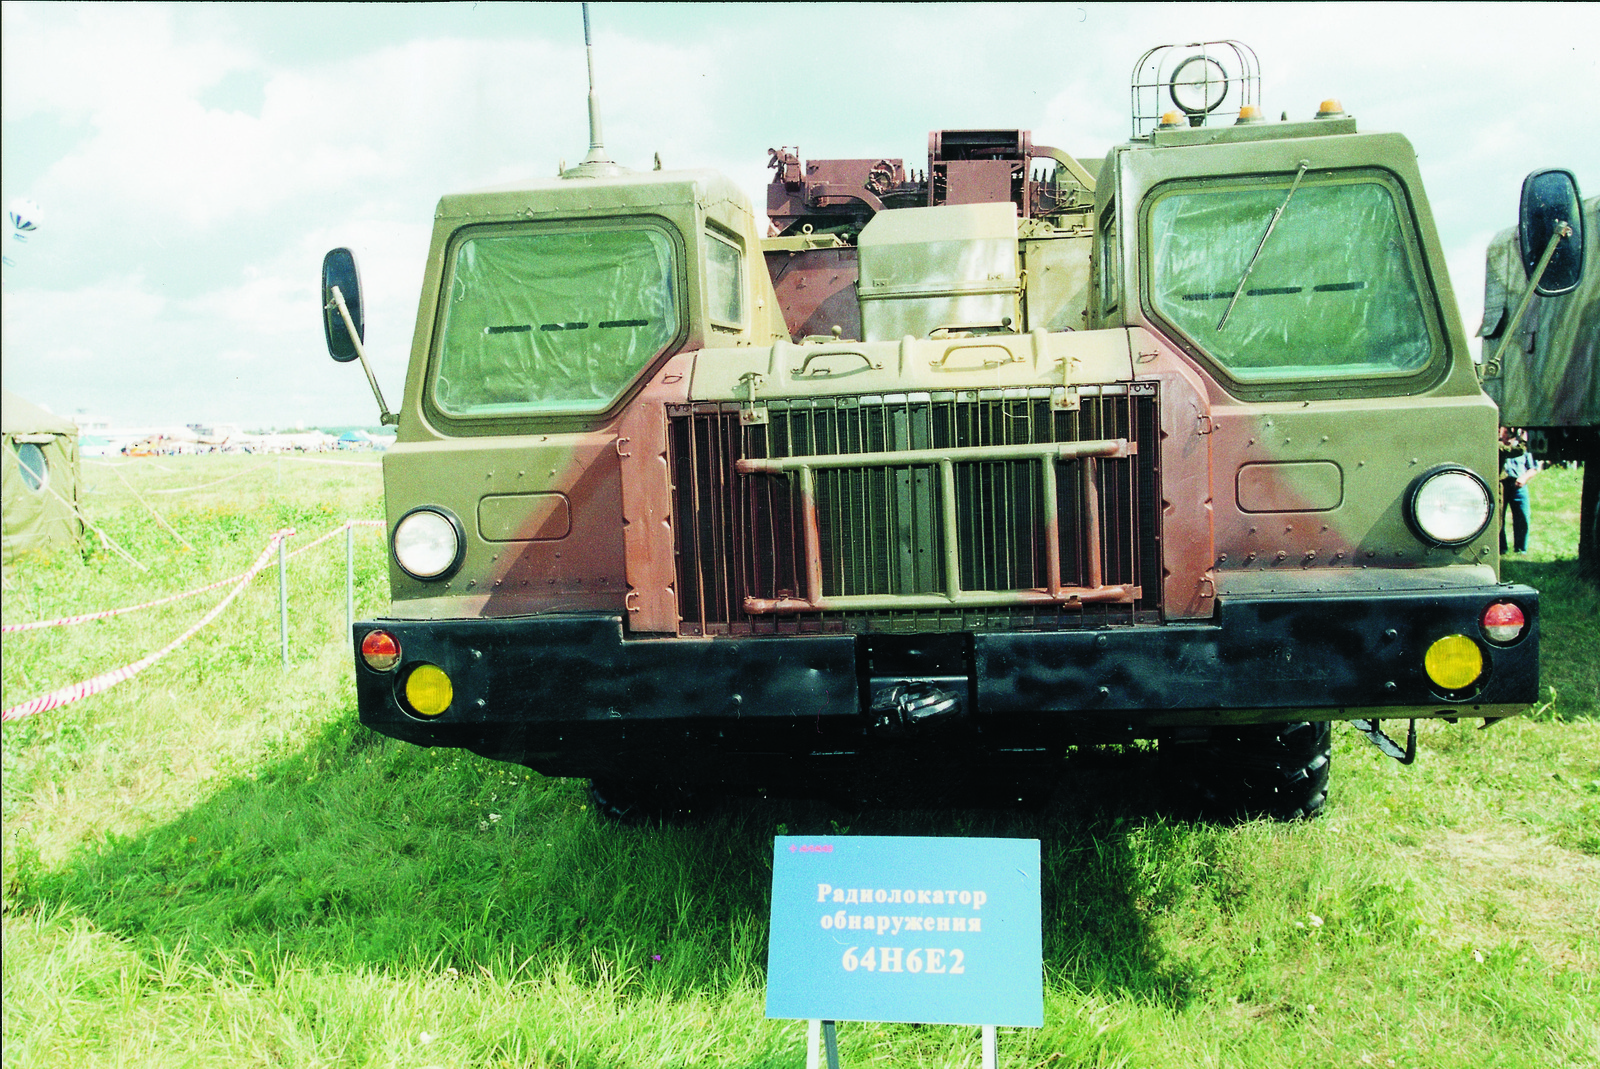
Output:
x,y
428,543
1198,85
1449,506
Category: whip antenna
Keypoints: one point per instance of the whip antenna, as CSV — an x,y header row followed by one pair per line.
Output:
x,y
596,163
597,152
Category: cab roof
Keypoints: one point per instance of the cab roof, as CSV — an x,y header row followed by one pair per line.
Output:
x,y
559,196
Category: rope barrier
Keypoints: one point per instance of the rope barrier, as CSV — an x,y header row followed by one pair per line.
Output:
x,y
106,614
151,510
218,482
106,680
84,618
346,463
347,523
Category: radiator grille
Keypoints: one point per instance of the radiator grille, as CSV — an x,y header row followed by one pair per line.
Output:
x,y
931,513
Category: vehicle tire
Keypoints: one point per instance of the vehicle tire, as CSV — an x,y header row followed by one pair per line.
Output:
x,y
1259,770
638,802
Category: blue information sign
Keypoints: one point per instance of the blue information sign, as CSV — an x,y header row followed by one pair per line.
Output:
x,y
888,928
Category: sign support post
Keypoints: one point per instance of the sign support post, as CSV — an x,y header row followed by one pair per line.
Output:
x,y
820,1038
820,1035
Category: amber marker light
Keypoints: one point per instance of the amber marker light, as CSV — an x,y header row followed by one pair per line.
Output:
x,y
380,650
1503,622
1454,662
428,690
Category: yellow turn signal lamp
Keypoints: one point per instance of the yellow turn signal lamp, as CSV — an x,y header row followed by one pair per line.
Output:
x,y
1171,120
1248,115
428,690
1331,109
1454,662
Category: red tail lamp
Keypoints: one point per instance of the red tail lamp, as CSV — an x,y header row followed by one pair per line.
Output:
x,y
1503,622
380,650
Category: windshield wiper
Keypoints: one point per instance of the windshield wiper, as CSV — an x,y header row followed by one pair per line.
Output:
x,y
1251,266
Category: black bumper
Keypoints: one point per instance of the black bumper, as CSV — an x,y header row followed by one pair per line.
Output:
x,y
574,695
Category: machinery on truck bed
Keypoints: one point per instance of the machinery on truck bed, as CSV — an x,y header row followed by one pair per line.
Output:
x,y
956,469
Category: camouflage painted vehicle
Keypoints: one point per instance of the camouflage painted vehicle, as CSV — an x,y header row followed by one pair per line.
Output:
x,y
1541,331
953,471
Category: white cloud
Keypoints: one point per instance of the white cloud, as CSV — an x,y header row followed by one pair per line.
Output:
x,y
185,224
95,62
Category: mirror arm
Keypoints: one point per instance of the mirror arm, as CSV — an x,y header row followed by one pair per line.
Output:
x,y
385,417
1563,229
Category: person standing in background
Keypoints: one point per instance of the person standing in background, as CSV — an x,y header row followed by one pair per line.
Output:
x,y
1517,466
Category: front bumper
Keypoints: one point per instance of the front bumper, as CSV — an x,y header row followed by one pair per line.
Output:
x,y
575,695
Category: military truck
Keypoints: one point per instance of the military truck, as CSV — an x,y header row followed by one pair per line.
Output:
x,y
949,471
1541,331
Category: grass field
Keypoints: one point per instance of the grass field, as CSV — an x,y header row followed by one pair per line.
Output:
x,y
214,865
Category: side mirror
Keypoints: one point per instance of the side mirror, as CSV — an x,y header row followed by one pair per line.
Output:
x,y
1550,198
339,271
341,320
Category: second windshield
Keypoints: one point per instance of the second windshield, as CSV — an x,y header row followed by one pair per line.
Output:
x,y
1332,294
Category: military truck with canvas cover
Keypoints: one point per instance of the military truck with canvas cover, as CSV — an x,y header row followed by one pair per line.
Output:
x,y
1541,331
952,471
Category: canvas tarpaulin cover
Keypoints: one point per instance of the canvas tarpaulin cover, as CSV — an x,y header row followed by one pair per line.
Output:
x,y
1550,376
38,476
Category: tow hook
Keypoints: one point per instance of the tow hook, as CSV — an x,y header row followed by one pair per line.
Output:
x,y
1373,730
914,703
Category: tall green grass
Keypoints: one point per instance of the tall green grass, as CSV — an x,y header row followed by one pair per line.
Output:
x,y
214,864
1570,605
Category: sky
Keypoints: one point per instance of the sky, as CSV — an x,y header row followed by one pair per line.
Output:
x,y
193,162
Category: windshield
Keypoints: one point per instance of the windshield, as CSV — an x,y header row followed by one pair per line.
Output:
x,y
553,321
1332,292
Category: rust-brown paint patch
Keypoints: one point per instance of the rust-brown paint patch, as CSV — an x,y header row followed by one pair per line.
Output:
x,y
816,291
652,575
524,517
1187,537
1290,486
580,573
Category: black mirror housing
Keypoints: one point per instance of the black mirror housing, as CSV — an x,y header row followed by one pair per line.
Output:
x,y
339,269
1550,197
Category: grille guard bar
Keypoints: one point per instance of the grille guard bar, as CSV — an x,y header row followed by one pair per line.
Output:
x,y
1047,454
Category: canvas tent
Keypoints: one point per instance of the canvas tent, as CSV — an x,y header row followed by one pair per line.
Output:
x,y
39,477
